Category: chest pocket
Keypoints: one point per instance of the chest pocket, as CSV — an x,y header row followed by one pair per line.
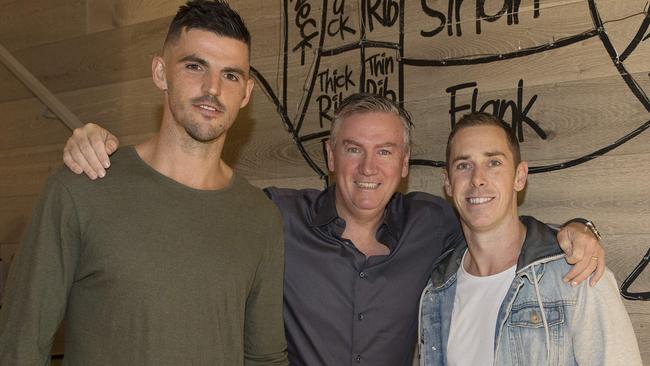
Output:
x,y
524,338
530,315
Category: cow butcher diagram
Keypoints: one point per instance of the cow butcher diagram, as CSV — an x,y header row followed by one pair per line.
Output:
x,y
419,53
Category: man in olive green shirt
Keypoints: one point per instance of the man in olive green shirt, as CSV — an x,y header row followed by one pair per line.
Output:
x,y
162,263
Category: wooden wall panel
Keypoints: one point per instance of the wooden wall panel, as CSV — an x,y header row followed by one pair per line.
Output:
x,y
97,59
127,108
26,24
110,14
22,180
557,20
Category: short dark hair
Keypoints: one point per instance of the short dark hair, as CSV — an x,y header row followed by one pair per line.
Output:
x,y
368,103
215,16
485,119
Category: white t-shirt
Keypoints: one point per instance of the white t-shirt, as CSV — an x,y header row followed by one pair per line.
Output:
x,y
474,318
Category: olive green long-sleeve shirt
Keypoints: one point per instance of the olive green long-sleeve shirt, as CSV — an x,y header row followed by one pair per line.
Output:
x,y
147,271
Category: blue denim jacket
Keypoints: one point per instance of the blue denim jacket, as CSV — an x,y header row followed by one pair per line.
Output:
x,y
542,320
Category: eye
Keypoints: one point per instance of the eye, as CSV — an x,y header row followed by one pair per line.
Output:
x,y
385,152
231,76
194,67
495,163
352,150
462,166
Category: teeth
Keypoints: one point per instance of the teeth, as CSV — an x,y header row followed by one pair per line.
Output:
x,y
367,185
207,108
479,200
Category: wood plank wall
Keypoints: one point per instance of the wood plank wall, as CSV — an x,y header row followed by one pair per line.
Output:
x,y
572,79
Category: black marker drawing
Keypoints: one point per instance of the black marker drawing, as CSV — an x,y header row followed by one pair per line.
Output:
x,y
380,64
644,296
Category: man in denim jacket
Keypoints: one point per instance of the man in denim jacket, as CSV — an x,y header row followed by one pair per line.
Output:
x,y
501,300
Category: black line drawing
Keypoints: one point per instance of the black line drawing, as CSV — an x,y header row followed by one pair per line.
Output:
x,y
644,296
312,34
374,70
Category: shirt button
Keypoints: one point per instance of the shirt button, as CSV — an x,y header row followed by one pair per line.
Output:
x,y
363,274
534,318
362,316
357,359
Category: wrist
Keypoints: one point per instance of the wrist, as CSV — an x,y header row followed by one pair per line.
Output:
x,y
589,225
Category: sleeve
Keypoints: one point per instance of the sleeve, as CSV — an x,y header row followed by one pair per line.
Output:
x,y
601,330
40,279
264,339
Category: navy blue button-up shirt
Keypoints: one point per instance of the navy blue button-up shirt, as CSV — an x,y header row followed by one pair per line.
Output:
x,y
343,308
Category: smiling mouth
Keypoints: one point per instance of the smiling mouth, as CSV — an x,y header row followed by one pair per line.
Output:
x,y
367,185
479,200
208,107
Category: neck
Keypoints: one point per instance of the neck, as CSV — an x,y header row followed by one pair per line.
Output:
x,y
493,251
366,225
194,164
362,232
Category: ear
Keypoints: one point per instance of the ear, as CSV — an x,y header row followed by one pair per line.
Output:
x,y
521,176
330,156
250,83
158,73
405,164
446,182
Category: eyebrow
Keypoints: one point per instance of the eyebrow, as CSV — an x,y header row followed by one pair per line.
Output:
x,y
235,70
352,142
195,58
488,154
201,61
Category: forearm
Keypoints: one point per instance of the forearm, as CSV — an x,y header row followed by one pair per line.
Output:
x,y
37,288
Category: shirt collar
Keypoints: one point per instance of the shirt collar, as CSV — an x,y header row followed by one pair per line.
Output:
x,y
540,242
323,211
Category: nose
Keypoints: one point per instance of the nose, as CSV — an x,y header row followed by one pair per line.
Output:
x,y
478,177
212,84
368,165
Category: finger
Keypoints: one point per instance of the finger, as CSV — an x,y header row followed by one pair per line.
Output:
x,y
99,150
70,163
600,271
578,258
77,156
578,268
90,156
111,144
591,265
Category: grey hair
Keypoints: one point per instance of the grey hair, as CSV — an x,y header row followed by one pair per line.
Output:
x,y
368,103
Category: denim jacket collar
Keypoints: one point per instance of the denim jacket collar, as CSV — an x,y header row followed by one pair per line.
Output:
x,y
540,244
